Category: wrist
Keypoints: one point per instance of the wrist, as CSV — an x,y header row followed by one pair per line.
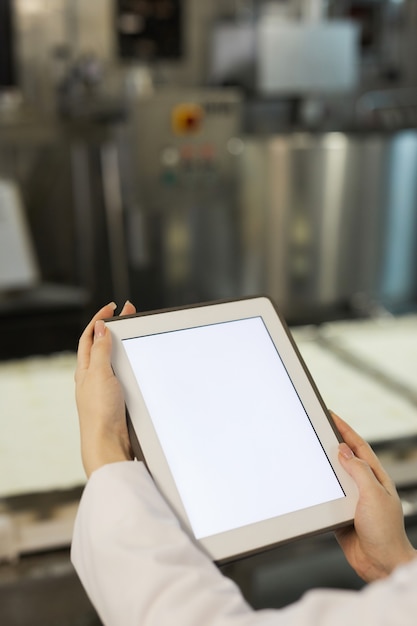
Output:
x,y
409,555
106,450
101,461
403,557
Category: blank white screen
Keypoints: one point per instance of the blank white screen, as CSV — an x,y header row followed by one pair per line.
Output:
x,y
239,444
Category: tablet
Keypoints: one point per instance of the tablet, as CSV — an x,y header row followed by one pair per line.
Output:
x,y
231,425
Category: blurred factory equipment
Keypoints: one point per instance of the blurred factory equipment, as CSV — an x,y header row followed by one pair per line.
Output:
x,y
18,264
255,50
7,66
338,220
293,56
185,44
186,145
150,31
389,109
55,310
303,195
164,210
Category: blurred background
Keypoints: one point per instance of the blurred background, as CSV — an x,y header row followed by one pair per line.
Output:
x,y
178,151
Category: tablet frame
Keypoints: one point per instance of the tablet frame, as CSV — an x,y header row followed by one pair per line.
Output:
x,y
260,536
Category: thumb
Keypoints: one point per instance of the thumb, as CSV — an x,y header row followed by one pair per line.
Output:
x,y
101,348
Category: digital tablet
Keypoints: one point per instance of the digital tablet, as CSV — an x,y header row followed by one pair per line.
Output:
x,y
231,425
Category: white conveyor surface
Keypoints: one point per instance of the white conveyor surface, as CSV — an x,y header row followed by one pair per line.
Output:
x,y
39,442
387,345
376,411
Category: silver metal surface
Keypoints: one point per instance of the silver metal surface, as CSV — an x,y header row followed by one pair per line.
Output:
x,y
113,207
328,216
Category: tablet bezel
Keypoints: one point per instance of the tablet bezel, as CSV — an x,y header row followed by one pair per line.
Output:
x,y
262,535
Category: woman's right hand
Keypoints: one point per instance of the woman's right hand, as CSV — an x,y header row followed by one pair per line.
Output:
x,y
377,542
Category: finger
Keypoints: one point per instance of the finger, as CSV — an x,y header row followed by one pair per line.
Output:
x,y
361,472
359,446
86,339
128,308
362,450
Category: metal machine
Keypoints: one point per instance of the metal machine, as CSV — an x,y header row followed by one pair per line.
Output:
x,y
329,221
189,235
185,145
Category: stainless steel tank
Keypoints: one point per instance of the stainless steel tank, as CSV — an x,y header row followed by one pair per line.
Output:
x,y
326,217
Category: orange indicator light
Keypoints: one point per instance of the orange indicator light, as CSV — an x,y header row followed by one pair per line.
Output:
x,y
187,118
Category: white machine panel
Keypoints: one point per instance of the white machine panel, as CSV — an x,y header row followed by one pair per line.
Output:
x,y
302,57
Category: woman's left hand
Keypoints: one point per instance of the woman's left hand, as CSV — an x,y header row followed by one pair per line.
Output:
x,y
100,402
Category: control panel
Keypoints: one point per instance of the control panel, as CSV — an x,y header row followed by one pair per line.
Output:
x,y
186,142
185,139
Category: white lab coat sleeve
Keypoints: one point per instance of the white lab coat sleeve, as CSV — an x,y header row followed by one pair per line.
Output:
x,y
140,568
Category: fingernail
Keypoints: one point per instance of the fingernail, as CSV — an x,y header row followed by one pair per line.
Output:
x,y
345,451
99,329
113,305
127,302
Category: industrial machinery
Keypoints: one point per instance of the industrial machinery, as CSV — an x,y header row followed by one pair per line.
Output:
x,y
185,145
329,221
